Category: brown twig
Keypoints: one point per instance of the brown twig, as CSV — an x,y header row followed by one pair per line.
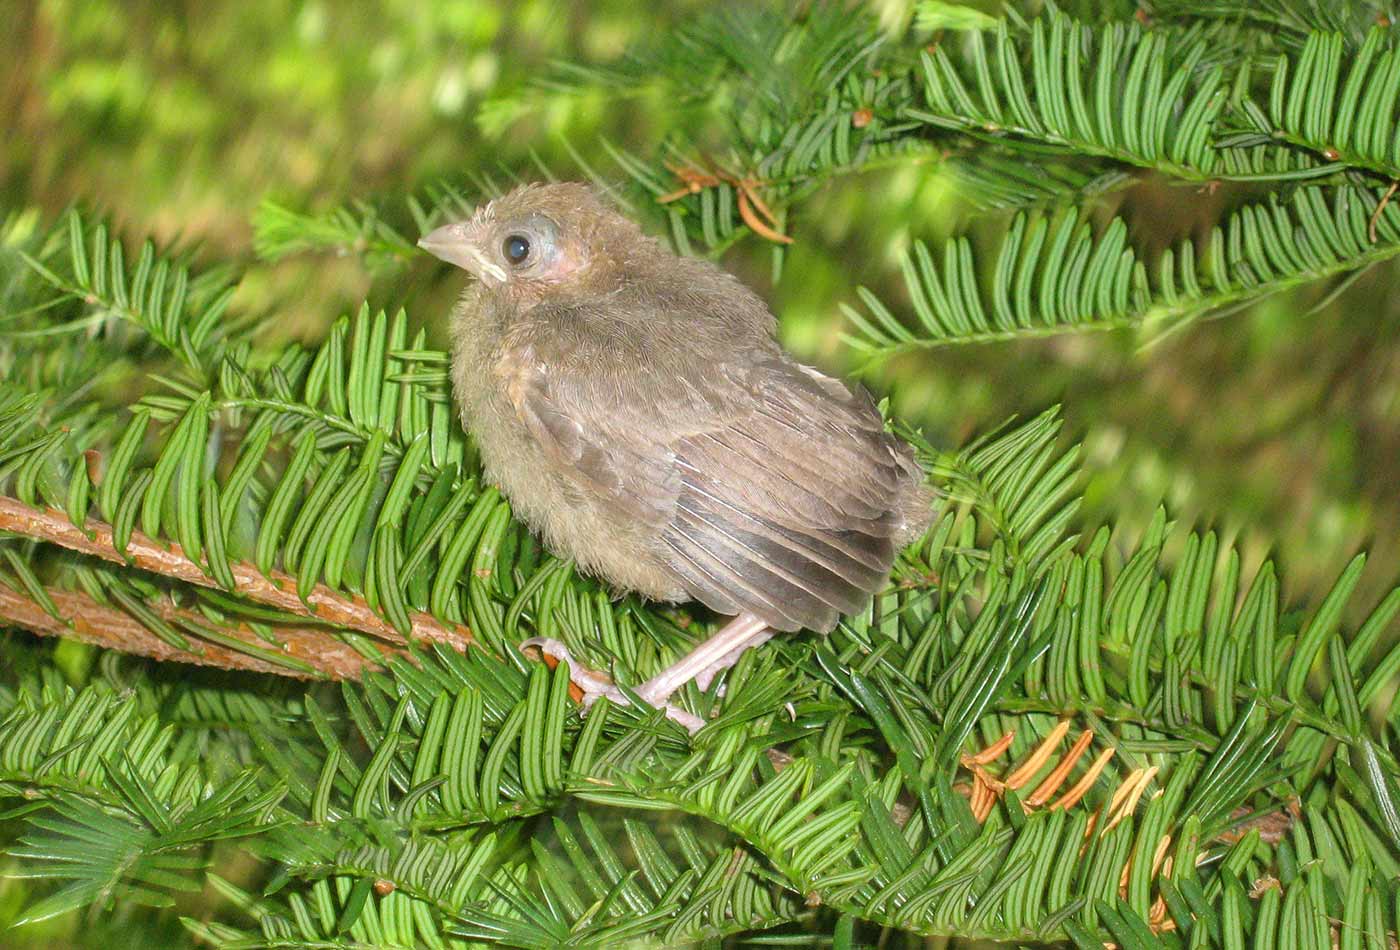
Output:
x,y
1380,209
83,618
1273,826
754,211
275,590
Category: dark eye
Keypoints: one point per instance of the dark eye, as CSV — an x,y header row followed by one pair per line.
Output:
x,y
516,248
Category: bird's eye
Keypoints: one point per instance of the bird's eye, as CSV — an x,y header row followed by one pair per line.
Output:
x,y
516,248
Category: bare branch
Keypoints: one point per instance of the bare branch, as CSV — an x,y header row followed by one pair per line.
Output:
x,y
89,621
277,590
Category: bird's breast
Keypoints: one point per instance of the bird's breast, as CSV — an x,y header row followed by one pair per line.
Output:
x,y
572,522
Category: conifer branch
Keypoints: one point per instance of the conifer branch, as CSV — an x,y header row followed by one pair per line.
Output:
x,y
1052,275
80,617
275,589
1172,729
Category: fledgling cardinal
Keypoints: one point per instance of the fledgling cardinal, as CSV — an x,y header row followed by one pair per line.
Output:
x,y
635,408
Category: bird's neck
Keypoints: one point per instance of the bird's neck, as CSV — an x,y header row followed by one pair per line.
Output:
x,y
479,322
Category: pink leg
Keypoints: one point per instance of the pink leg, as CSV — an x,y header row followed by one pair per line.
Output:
x,y
705,677
595,684
719,652
702,664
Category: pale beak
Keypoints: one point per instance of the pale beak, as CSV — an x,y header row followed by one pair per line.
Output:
x,y
452,244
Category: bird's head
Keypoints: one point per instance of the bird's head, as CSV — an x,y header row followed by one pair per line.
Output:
x,y
535,240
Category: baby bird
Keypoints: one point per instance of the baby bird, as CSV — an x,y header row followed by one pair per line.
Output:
x,y
637,412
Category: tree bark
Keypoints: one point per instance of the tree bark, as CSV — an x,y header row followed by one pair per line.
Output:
x,y
275,590
82,618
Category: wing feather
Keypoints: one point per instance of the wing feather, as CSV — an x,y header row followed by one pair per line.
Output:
x,y
800,488
770,487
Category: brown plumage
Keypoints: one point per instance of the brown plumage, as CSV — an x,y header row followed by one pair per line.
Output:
x,y
635,408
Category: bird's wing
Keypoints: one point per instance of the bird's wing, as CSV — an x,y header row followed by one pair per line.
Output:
x,y
789,503
624,466
772,488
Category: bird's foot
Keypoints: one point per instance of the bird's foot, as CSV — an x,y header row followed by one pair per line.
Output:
x,y
591,684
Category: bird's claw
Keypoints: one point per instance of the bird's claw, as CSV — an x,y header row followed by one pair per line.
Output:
x,y
591,684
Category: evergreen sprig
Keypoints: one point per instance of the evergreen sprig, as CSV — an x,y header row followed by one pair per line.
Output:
x,y
1053,274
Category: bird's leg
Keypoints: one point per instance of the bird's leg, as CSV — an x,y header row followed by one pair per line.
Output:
x,y
705,677
594,684
701,664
